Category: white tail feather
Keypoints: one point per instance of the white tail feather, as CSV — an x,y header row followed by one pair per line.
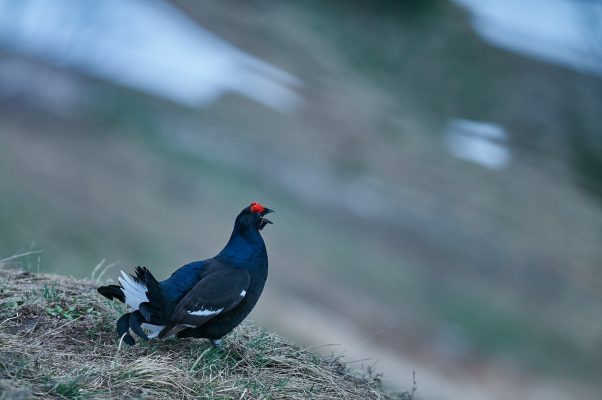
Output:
x,y
134,292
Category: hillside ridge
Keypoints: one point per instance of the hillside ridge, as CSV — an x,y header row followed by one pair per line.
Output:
x,y
57,340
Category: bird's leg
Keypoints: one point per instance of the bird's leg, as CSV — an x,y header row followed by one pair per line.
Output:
x,y
217,343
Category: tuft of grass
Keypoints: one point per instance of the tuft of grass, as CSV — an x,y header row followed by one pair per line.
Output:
x,y
57,340
68,390
50,292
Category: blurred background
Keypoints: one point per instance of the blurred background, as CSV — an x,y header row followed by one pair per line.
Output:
x,y
435,165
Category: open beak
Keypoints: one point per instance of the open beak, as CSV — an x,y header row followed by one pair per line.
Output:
x,y
264,220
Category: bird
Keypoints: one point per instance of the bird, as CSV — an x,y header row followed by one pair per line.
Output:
x,y
202,299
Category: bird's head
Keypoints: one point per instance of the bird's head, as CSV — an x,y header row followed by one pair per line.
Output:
x,y
253,216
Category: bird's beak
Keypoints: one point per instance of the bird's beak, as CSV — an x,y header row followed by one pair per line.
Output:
x,y
266,212
264,220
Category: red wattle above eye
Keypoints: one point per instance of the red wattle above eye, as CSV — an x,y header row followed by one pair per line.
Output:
x,y
257,208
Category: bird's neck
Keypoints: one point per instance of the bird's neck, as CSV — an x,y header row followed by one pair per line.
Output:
x,y
245,247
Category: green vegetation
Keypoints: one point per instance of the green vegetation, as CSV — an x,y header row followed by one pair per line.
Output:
x,y
57,340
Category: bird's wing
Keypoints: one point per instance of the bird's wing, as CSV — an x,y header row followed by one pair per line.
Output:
x,y
182,281
216,293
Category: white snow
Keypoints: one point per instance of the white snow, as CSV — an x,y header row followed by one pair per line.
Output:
x,y
564,32
149,45
484,143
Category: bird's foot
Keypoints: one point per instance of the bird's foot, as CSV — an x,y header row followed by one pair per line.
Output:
x,y
217,343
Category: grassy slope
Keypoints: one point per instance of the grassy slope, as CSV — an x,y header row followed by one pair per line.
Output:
x,y
57,341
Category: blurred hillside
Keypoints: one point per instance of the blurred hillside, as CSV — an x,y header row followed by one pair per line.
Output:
x,y
486,281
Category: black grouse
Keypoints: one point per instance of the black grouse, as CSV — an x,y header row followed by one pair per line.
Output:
x,y
203,299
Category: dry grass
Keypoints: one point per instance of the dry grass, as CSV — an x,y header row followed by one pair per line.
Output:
x,y
57,340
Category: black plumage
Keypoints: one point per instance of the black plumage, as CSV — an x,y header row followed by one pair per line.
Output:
x,y
205,299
